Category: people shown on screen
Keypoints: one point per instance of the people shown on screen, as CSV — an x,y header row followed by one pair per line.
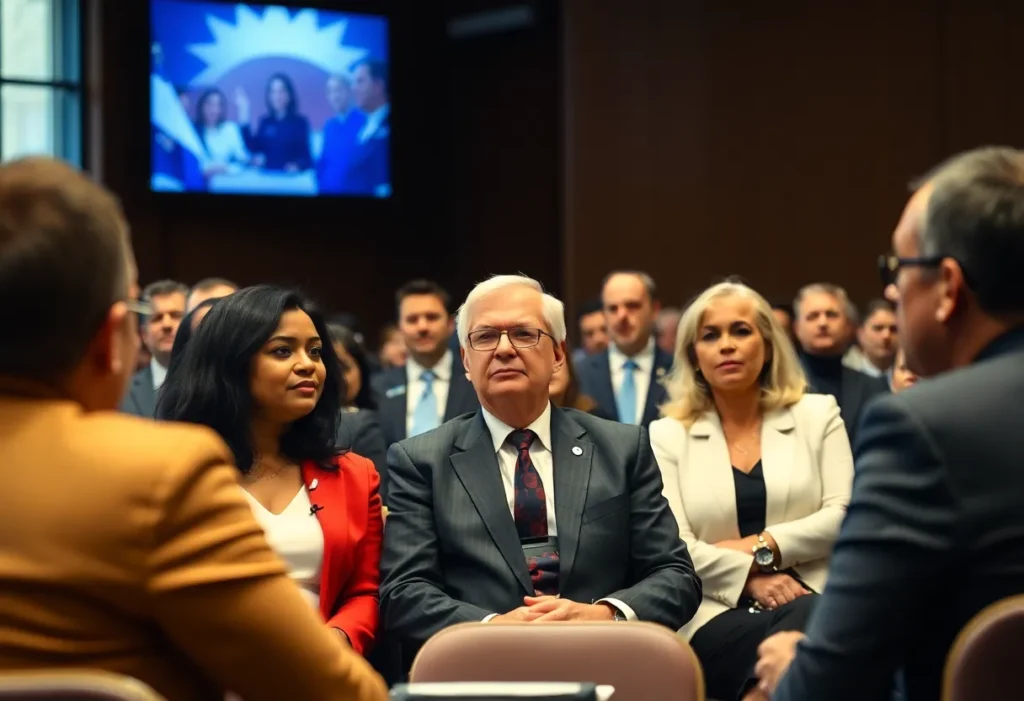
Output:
x,y
370,170
221,137
340,136
281,139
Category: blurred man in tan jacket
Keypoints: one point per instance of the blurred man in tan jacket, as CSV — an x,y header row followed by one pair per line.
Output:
x,y
126,546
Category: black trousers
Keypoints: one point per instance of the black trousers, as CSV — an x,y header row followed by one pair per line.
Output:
x,y
727,644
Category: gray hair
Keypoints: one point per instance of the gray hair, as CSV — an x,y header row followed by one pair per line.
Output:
x,y
553,309
162,288
646,280
826,288
975,215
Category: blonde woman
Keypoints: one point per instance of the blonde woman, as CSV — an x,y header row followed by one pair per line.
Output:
x,y
758,474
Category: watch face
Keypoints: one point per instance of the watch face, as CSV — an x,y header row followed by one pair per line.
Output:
x,y
764,557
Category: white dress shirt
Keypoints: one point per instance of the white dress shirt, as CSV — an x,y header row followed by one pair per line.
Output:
x,y
543,462
373,122
297,538
159,373
415,386
641,376
855,359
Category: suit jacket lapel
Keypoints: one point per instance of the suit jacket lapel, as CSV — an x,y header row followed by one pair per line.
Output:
x,y
777,453
710,453
461,395
143,392
572,479
655,390
476,465
604,393
852,393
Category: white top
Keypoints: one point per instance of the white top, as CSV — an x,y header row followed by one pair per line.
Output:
x,y
224,144
855,359
159,373
641,376
373,122
415,386
543,461
296,537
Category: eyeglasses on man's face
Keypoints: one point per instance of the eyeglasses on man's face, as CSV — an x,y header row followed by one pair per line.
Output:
x,y
487,339
139,307
889,266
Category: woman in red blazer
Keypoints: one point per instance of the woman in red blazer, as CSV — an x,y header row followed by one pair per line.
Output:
x,y
261,371
353,529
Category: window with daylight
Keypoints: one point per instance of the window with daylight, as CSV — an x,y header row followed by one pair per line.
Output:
x,y
40,79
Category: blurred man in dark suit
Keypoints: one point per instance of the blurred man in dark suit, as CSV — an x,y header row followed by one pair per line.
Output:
x,y
167,301
527,512
934,531
339,136
822,328
625,380
431,387
369,171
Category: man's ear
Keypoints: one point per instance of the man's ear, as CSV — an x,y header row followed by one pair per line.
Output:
x,y
560,353
465,361
107,352
951,287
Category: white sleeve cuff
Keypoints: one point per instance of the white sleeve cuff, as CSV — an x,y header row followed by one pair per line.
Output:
x,y
488,617
625,610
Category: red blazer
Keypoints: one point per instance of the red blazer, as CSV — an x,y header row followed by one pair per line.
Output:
x,y
350,516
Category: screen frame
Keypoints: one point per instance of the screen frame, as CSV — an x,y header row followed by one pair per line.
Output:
x,y
193,199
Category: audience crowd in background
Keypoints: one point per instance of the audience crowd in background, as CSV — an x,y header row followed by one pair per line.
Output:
x,y
817,496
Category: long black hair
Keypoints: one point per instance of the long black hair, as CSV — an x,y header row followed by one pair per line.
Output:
x,y
343,335
210,384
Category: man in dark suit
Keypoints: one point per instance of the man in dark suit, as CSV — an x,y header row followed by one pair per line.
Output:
x,y
625,379
340,136
934,531
432,387
167,300
369,171
822,326
525,512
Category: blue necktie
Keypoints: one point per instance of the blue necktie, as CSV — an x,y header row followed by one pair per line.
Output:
x,y
424,416
626,399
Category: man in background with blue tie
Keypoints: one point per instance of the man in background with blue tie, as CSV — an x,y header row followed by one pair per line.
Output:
x,y
524,511
432,387
625,380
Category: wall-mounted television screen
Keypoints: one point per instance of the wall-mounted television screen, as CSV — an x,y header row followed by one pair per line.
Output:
x,y
268,100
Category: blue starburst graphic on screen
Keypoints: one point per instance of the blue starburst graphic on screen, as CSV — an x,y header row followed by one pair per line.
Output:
x,y
276,34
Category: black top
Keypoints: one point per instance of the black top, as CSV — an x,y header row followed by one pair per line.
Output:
x,y
824,374
751,500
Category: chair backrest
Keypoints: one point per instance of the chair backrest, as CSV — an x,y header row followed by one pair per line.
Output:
x,y
643,661
73,686
987,654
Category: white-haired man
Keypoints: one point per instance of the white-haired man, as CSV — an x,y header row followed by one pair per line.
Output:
x,y
523,511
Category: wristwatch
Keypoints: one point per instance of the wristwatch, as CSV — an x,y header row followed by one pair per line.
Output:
x,y
764,556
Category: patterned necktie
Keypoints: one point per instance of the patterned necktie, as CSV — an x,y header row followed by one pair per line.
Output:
x,y
531,514
626,398
424,416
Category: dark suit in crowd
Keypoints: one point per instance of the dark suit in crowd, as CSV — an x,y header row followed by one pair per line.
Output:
x,y
359,431
141,397
595,377
370,165
452,553
852,389
934,533
392,397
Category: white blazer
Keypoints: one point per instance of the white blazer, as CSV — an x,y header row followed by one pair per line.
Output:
x,y
808,475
